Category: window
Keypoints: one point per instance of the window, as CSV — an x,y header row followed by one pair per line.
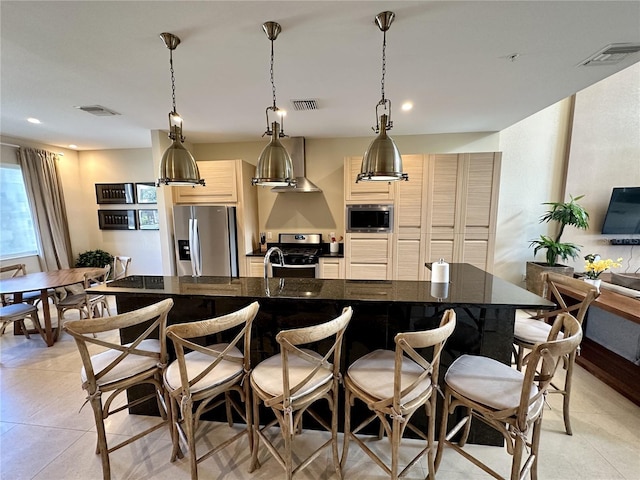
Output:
x,y
17,235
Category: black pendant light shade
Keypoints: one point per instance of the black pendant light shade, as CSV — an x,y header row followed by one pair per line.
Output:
x,y
275,168
177,167
382,161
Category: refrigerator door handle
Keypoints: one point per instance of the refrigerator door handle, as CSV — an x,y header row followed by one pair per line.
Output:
x,y
197,254
193,246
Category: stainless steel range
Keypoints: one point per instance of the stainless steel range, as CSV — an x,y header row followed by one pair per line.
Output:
x,y
300,251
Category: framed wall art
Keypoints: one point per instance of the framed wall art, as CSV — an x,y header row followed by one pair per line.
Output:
x,y
114,193
146,192
117,220
148,219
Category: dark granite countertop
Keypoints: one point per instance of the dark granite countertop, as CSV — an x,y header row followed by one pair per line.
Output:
x,y
468,286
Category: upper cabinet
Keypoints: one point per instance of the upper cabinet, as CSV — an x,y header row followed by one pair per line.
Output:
x,y
220,178
364,192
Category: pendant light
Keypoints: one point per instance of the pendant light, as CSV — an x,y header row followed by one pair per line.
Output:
x,y
382,161
178,167
274,167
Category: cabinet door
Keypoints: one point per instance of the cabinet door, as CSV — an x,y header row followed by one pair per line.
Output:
x,y
369,256
363,192
331,267
408,261
443,187
220,184
255,266
409,205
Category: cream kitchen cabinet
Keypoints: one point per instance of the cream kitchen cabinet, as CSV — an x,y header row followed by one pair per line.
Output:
x,y
331,267
220,178
446,210
368,256
462,207
364,192
255,266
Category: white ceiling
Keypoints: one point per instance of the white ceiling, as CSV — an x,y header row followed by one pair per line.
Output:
x,y
449,57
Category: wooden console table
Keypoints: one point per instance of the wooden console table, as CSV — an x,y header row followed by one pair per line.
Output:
x,y
619,373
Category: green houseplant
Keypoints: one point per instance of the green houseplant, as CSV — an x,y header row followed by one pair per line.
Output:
x,y
569,213
94,258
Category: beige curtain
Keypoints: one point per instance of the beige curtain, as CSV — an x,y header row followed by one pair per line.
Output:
x,y
44,190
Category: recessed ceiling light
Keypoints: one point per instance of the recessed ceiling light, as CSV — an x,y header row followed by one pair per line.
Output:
x,y
406,106
33,120
73,146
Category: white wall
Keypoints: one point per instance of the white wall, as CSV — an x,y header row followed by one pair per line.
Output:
x,y
115,166
605,153
533,153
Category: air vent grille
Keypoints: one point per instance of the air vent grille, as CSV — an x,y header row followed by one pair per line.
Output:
x,y
612,54
305,104
98,110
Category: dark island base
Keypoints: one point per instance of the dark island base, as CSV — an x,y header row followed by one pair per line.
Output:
x,y
485,331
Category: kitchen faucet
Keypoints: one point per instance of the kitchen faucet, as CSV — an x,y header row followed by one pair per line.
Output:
x,y
267,257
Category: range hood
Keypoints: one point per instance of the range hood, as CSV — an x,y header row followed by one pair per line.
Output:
x,y
295,146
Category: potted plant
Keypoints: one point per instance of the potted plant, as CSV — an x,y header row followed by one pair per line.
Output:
x,y
94,258
569,213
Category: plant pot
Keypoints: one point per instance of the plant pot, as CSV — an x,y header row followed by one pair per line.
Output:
x,y
593,281
535,269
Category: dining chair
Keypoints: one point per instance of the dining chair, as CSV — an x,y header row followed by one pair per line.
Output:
x,y
120,267
17,313
531,328
203,376
289,383
394,384
119,367
89,305
505,399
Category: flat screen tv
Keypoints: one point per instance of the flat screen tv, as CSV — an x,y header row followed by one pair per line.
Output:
x,y
623,214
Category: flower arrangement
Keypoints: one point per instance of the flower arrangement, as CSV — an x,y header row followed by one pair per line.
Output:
x,y
594,265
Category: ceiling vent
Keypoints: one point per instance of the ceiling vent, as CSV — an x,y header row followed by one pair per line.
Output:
x,y
304,104
98,110
611,54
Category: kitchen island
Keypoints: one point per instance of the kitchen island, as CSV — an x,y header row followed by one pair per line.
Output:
x,y
484,304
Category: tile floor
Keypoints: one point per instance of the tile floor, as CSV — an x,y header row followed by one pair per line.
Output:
x,y
46,435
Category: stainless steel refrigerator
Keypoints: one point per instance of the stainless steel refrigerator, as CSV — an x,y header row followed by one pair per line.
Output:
x,y
205,240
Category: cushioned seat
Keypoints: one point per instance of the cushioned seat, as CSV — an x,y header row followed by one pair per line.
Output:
x,y
489,382
372,372
197,363
268,375
16,313
131,365
532,330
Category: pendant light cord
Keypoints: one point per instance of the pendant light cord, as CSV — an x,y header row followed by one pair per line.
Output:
x,y
384,64
273,85
173,81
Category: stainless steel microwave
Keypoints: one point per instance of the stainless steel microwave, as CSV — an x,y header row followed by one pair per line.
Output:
x,y
369,218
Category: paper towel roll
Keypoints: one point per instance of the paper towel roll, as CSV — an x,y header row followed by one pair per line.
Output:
x,y
440,271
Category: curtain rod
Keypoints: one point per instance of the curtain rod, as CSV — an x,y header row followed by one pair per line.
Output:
x,y
19,146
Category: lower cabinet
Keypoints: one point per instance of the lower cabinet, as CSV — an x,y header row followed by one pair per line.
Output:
x,y
255,266
331,267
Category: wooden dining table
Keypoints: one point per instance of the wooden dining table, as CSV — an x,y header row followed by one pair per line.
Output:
x,y
43,281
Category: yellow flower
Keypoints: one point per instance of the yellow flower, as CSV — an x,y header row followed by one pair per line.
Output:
x,y
594,266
